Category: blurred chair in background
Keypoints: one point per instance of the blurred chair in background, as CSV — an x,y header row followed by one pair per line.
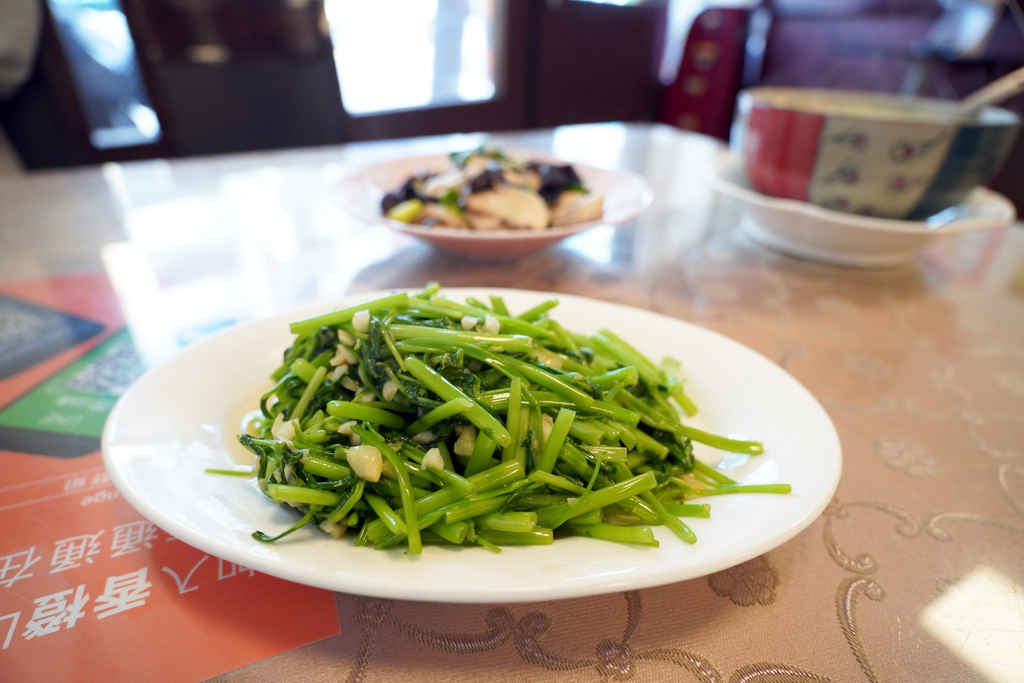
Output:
x,y
160,78
20,23
134,79
238,75
596,62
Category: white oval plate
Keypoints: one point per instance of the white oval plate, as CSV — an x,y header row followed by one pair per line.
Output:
x,y
845,239
626,196
180,418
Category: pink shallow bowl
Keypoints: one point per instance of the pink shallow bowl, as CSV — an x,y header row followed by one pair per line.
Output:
x,y
626,196
868,153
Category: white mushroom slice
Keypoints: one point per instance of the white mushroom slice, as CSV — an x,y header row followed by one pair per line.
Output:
x,y
517,208
475,164
577,207
433,460
528,179
366,461
439,185
439,214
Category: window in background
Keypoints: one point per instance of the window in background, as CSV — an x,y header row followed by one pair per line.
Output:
x,y
405,54
100,54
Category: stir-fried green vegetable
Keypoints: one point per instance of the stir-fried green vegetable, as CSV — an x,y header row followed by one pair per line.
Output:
x,y
416,419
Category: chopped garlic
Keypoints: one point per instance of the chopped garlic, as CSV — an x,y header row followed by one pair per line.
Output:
x,y
466,442
345,428
469,321
366,461
361,321
546,423
343,356
283,431
491,325
389,390
349,383
552,360
337,373
388,470
366,397
433,460
345,338
425,436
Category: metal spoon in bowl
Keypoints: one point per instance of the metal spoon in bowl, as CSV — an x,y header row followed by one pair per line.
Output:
x,y
996,91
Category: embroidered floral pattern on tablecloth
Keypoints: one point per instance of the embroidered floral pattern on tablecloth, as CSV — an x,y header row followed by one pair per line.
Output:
x,y
751,583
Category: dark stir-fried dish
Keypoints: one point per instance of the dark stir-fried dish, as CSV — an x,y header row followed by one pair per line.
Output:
x,y
485,190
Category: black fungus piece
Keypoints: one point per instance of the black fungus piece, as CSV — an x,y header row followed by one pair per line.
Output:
x,y
554,180
406,192
390,201
487,179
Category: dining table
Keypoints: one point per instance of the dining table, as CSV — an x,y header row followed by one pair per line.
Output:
x,y
912,571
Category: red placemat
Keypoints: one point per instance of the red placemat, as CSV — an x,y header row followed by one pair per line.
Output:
x,y
90,590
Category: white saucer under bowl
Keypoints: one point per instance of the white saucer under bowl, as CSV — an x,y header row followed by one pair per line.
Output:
x,y
807,231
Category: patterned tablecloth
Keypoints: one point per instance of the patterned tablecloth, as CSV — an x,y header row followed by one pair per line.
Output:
x,y
915,571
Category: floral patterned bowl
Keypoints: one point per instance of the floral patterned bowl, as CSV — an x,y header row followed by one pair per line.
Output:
x,y
868,153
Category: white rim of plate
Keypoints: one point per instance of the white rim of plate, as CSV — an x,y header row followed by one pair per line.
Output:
x,y
595,584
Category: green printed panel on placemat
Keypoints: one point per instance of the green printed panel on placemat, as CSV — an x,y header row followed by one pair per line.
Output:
x,y
77,400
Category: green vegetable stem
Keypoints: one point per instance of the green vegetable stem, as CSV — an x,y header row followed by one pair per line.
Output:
x,y
415,419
